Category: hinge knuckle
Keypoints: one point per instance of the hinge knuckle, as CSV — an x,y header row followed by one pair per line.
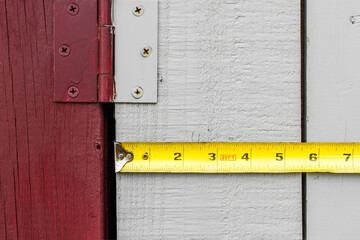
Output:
x,y
106,64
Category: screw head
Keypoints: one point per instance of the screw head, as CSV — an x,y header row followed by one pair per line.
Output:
x,y
138,10
146,51
121,156
73,91
64,50
129,156
73,9
137,92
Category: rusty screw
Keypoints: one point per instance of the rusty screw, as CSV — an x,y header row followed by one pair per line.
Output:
x,y
73,91
138,10
137,92
73,9
64,50
146,51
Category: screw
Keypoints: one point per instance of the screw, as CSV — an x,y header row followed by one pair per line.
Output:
x,y
138,10
145,156
73,9
137,92
129,156
354,19
146,51
121,156
64,50
73,91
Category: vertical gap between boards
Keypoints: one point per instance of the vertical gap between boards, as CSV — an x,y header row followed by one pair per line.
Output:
x,y
110,176
303,113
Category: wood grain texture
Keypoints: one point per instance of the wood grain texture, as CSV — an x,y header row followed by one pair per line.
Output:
x,y
51,155
193,206
228,71
333,101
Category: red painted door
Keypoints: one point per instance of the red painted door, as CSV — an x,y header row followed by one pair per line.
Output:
x,y
52,155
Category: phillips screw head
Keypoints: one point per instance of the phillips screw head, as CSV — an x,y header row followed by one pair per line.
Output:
x,y
138,10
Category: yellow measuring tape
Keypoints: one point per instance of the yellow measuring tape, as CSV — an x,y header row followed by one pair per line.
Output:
x,y
237,157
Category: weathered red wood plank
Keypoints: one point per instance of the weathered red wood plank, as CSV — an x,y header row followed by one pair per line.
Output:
x,y
51,155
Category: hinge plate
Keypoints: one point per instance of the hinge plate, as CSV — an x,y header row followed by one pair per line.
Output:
x,y
136,50
75,51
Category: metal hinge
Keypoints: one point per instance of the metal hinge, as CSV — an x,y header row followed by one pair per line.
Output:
x,y
83,51
136,51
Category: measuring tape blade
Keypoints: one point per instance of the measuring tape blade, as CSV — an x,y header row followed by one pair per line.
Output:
x,y
237,157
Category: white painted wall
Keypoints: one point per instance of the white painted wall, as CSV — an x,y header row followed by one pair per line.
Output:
x,y
228,71
333,88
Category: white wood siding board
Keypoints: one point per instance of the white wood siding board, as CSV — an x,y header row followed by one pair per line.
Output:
x,y
228,71
333,207
193,206
333,71
333,105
